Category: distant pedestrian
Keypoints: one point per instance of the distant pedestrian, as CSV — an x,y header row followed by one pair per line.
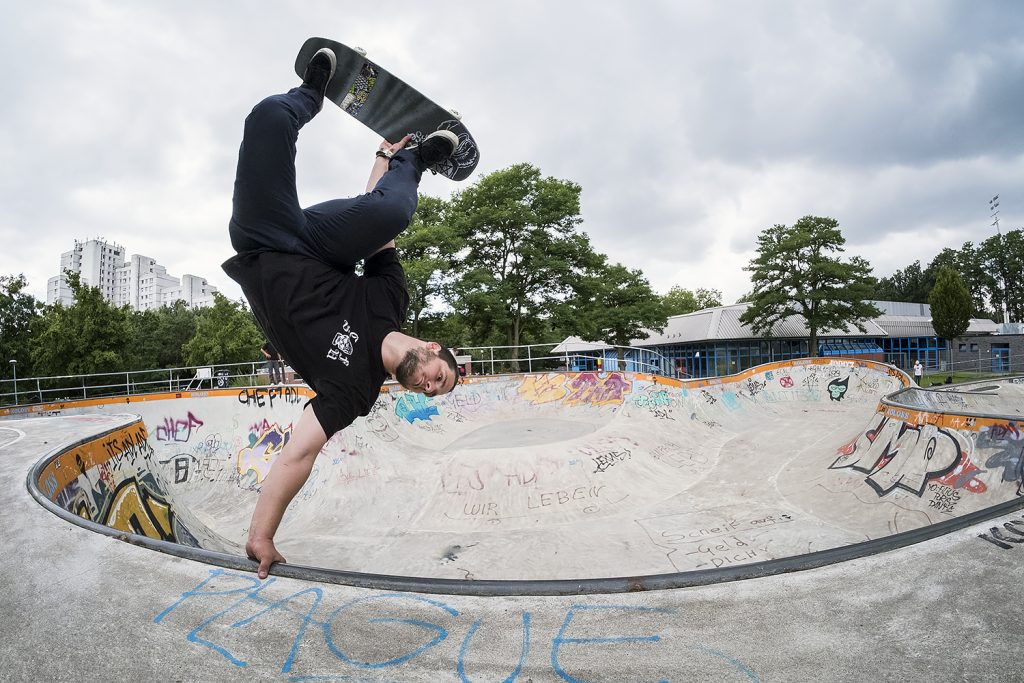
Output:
x,y
275,366
918,371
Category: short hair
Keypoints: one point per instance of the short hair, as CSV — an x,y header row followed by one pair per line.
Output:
x,y
448,357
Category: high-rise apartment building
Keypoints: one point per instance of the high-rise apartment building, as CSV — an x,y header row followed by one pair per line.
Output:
x,y
193,290
138,282
128,277
96,261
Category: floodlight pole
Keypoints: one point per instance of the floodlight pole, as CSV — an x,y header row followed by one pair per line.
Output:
x,y
993,206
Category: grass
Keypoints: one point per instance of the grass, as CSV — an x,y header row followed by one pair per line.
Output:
x,y
959,377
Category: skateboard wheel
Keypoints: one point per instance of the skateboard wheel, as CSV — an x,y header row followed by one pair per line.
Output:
x,y
457,115
361,51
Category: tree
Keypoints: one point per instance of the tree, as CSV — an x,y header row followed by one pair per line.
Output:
x,y
160,334
909,284
679,301
1002,259
523,254
619,307
969,263
708,298
225,333
979,268
797,272
90,336
18,310
448,328
428,247
951,305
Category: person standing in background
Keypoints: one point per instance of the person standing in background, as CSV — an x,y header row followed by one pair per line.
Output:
x,y
275,366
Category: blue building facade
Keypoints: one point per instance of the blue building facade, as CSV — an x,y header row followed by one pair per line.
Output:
x,y
713,342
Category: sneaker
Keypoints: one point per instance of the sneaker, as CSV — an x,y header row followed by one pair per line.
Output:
x,y
437,147
320,70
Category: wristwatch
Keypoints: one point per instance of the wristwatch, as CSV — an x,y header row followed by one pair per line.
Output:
x,y
385,153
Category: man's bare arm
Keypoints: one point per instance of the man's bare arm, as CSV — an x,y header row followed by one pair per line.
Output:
x,y
380,167
380,164
287,475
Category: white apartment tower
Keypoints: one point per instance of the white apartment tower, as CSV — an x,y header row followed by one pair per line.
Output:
x,y
96,261
138,282
195,291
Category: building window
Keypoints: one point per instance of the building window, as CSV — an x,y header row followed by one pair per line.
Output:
x,y
974,347
962,348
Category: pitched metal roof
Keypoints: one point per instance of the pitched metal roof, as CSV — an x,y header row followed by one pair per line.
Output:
x,y
905,308
576,345
906,325
723,323
918,326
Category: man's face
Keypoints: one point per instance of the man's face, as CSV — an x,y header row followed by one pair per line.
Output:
x,y
423,371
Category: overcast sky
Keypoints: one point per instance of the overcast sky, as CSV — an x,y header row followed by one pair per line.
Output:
x,y
691,126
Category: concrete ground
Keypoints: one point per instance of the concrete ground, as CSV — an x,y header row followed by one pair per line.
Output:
x,y
81,606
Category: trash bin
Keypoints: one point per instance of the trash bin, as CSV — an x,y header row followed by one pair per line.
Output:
x,y
223,379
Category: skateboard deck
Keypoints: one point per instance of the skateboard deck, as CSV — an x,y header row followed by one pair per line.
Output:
x,y
388,106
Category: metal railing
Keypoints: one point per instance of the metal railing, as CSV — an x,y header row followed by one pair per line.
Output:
x,y
30,390
484,360
487,360
983,362
494,360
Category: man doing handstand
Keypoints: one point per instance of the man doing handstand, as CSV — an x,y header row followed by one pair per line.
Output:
x,y
340,331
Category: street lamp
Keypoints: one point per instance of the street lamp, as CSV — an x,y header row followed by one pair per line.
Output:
x,y
14,368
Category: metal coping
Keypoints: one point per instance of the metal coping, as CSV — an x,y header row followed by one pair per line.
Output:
x,y
893,400
533,587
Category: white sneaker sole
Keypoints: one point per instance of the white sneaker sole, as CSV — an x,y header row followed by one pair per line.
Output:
x,y
448,135
331,56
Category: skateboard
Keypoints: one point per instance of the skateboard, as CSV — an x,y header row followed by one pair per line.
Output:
x,y
388,106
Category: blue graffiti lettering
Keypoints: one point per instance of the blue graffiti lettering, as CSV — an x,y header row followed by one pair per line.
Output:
x,y
461,665
412,407
560,639
441,632
302,607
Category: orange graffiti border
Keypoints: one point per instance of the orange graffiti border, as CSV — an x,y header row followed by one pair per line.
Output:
x,y
64,470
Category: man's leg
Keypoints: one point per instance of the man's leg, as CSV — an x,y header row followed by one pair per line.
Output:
x,y
265,207
346,231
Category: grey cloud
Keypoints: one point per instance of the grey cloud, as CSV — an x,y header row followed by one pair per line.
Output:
x,y
939,82
901,116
